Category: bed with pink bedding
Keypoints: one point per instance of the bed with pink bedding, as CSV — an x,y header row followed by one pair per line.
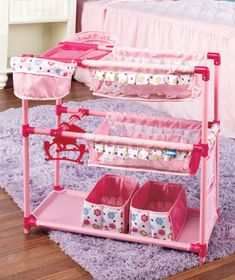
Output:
x,y
181,26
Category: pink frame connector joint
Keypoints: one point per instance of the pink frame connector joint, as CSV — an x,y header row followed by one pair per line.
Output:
x,y
200,249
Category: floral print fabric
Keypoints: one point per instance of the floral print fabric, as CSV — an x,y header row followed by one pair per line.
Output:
x,y
150,224
103,217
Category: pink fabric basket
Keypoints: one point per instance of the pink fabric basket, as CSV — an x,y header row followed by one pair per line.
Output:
x,y
158,210
41,79
169,152
107,205
145,75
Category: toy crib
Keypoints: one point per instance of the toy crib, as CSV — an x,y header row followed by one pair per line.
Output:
x,y
115,208
144,75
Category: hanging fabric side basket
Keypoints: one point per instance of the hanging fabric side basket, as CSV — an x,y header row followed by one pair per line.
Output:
x,y
41,79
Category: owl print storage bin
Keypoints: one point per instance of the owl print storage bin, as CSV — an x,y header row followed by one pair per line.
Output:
x,y
107,205
158,210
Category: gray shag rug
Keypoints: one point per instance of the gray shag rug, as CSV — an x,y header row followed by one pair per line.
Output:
x,y
104,258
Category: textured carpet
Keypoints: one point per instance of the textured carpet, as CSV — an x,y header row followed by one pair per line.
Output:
x,y
104,258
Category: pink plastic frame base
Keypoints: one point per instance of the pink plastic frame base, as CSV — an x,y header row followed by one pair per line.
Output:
x,y
49,215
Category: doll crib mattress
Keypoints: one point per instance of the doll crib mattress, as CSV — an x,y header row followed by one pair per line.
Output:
x,y
144,75
165,144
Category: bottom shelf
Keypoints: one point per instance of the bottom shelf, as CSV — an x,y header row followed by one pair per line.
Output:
x,y
62,210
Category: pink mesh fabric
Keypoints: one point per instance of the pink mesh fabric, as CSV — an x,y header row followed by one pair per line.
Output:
x,y
165,157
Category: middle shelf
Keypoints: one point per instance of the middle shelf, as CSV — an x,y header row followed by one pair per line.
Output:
x,y
173,151
137,142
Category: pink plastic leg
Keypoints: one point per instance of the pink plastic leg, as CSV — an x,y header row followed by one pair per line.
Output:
x,y
202,260
217,174
57,162
26,231
203,187
26,167
217,118
217,62
201,250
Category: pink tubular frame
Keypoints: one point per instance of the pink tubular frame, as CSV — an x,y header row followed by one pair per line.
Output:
x,y
201,246
57,162
26,166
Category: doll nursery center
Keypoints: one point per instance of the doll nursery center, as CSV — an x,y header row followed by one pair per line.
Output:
x,y
117,206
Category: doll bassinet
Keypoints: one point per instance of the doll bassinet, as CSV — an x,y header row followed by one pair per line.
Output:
x,y
144,75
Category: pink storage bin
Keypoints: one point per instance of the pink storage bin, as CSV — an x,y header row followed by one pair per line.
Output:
x,y
167,132
158,210
41,79
107,205
145,75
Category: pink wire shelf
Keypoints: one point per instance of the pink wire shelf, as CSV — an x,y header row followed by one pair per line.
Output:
x,y
51,214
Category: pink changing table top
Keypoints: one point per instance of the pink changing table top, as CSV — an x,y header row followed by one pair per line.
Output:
x,y
75,52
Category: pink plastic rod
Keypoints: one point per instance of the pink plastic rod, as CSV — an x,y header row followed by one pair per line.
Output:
x,y
57,162
90,112
202,229
216,93
145,143
26,161
217,118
